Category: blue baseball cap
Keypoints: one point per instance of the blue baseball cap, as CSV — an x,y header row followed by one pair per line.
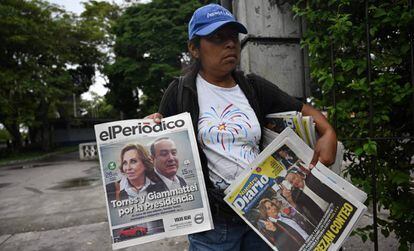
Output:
x,y
209,18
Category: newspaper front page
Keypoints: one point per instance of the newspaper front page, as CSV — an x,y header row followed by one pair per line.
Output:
x,y
153,181
290,206
307,154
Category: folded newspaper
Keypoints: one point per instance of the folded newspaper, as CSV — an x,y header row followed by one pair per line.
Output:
x,y
153,181
304,126
292,207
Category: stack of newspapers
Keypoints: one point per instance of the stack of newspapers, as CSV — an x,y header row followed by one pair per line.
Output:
x,y
304,126
290,206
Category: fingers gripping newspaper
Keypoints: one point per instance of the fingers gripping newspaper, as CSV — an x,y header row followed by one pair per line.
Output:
x,y
153,181
292,207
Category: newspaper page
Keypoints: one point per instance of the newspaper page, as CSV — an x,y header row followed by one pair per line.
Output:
x,y
269,136
290,206
277,122
310,131
153,181
307,153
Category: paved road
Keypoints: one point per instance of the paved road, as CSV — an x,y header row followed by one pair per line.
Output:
x,y
59,204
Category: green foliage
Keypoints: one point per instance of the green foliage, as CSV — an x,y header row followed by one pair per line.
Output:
x,y
47,55
150,42
4,135
341,24
98,107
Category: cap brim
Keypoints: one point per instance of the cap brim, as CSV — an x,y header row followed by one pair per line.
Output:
x,y
213,27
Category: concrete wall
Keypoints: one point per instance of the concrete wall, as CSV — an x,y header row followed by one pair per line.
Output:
x,y
266,19
271,49
279,63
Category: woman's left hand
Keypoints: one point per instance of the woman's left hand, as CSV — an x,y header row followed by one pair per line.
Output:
x,y
155,116
325,149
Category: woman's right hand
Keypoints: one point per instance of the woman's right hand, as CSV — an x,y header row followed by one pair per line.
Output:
x,y
155,116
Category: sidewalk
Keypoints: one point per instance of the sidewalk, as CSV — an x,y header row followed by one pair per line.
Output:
x,y
59,204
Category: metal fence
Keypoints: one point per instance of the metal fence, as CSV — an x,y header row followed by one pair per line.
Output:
x,y
371,108
371,136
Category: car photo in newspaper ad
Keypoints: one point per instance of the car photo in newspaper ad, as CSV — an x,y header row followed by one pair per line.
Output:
x,y
153,180
142,229
290,206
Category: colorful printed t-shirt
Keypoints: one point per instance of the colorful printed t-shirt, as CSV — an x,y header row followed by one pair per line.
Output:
x,y
228,131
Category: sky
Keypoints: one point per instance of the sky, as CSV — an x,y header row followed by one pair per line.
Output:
x,y
77,7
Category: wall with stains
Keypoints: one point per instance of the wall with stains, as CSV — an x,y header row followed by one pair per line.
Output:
x,y
271,49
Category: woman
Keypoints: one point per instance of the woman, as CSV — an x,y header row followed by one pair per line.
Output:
x,y
228,111
136,168
282,232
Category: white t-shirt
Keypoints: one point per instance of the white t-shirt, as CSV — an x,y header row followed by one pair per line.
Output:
x,y
228,131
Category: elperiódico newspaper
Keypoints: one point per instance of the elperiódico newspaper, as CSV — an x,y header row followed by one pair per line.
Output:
x,y
154,186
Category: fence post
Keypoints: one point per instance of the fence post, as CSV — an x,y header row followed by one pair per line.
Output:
x,y
371,126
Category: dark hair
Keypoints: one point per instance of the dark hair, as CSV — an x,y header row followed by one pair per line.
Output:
x,y
195,64
152,147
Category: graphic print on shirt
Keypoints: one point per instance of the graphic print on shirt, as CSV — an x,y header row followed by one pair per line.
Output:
x,y
222,127
221,184
249,150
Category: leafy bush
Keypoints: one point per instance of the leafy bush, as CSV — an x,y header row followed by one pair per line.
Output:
x,y
340,25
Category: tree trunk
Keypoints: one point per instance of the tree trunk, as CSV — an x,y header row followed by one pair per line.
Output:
x,y
33,135
46,137
14,131
45,125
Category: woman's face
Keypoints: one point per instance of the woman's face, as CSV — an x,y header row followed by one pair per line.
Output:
x,y
132,164
271,209
219,52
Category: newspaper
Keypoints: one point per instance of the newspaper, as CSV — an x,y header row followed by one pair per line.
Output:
x,y
290,206
310,130
143,205
269,136
277,122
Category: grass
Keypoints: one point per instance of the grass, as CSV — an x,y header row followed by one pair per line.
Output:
x,y
26,156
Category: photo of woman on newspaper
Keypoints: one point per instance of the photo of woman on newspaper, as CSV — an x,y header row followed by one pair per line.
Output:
x,y
138,176
281,231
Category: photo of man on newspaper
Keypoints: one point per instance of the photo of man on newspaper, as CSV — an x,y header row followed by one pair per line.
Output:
x,y
307,194
285,156
166,163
